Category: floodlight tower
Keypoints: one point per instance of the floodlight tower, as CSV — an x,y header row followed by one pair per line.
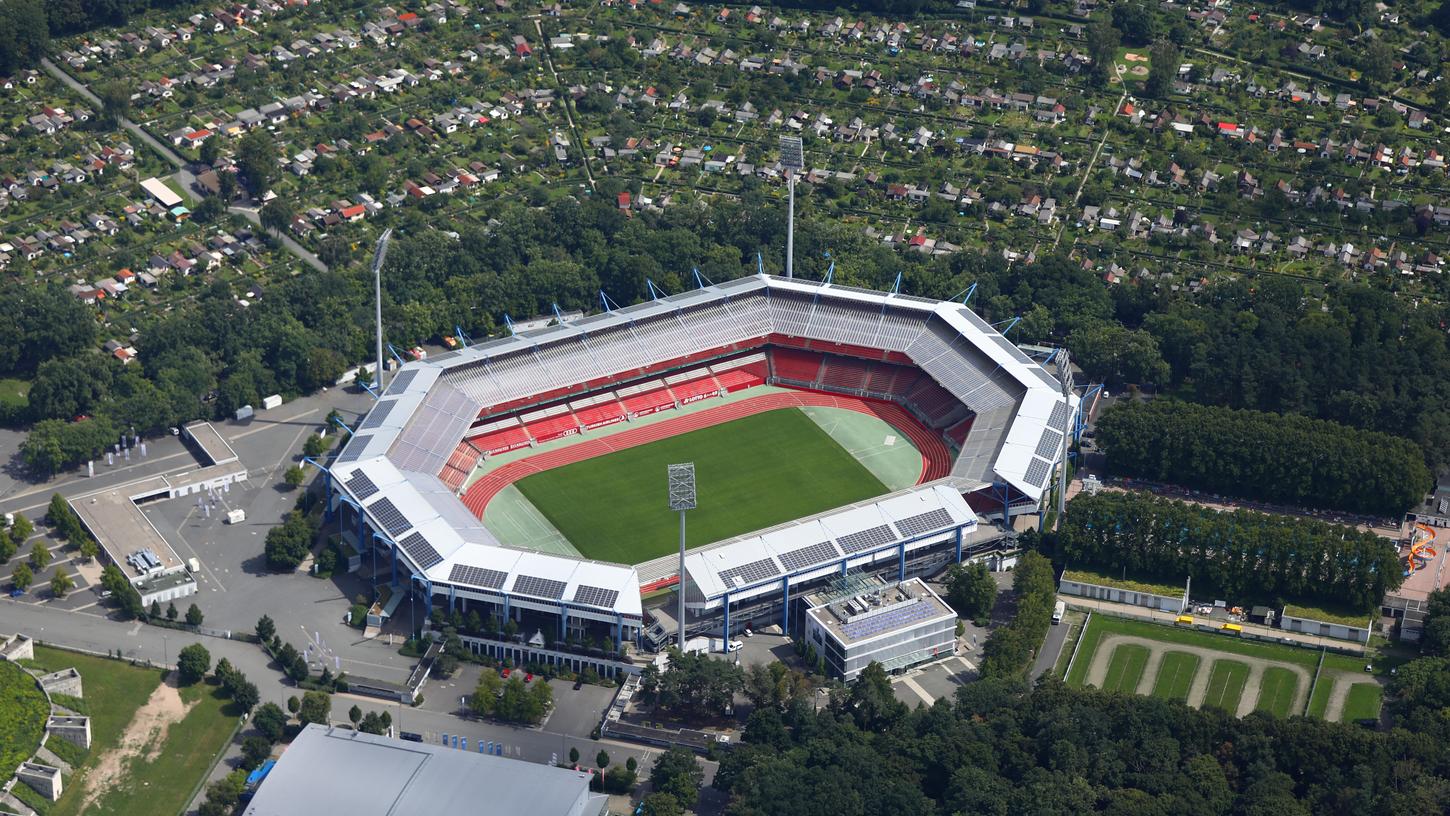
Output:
x,y
378,254
1064,368
792,158
682,498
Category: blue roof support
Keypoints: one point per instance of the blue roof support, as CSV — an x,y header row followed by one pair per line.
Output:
x,y
558,315
896,287
971,290
396,355
337,420
759,264
1010,324
372,390
463,339
509,322
701,280
655,292
607,302
830,270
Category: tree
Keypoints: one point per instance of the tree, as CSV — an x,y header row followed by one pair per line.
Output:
x,y
354,714
315,708
61,583
245,695
122,592
21,529
115,100
277,215
1136,21
971,590
677,774
192,664
661,804
290,542
1102,46
694,685
255,751
171,612
871,702
1009,648
1377,61
266,629
293,704
257,159
89,549
22,577
194,616
573,755
40,555
270,721
1162,69
601,759
294,476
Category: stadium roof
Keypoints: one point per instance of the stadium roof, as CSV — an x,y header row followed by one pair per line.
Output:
x,y
328,770
430,404
806,546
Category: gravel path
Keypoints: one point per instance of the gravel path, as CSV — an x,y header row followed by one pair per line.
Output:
x,y
1103,657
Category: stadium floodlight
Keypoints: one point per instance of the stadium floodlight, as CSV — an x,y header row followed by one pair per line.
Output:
x,y
682,498
378,255
792,158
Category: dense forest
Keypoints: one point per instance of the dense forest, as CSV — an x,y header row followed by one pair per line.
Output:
x,y
1272,457
1240,554
1370,360
1004,749
26,26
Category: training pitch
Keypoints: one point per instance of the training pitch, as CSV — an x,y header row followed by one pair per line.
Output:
x,y
750,473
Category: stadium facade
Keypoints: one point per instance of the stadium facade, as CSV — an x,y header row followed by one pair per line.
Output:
x,y
400,487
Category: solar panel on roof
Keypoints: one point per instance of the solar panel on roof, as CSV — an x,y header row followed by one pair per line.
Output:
x,y
595,596
388,515
355,447
1049,444
866,539
477,576
888,620
750,573
421,551
536,587
1059,415
378,415
924,522
1037,472
809,556
401,382
361,485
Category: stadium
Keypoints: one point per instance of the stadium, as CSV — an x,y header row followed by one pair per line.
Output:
x,y
766,383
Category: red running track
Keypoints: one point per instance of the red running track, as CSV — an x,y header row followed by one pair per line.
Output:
x,y
936,460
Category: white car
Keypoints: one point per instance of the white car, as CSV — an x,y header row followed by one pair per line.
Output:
x,y
735,646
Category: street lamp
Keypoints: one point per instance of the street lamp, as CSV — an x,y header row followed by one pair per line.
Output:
x,y
682,498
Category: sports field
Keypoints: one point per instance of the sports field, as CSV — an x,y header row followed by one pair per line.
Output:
x,y
750,473
1236,675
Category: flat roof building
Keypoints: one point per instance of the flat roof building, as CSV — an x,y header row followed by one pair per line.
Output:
x,y
897,625
335,770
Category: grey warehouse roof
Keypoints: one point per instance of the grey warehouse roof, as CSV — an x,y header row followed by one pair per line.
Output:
x,y
328,770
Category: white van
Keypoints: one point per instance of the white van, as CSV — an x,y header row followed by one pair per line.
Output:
x,y
1058,611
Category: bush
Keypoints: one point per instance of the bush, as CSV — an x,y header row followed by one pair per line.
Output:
x,y
1009,648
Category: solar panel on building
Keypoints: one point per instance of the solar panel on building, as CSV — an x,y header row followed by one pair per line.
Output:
x,y
1059,415
422,552
477,576
924,522
401,382
378,415
866,539
361,485
388,515
1049,444
749,573
886,621
536,587
1037,472
796,560
355,447
595,596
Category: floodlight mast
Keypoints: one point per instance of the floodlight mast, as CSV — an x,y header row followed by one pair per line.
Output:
x,y
1064,368
379,254
792,158
682,498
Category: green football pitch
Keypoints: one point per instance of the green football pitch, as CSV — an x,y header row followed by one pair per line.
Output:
x,y
750,473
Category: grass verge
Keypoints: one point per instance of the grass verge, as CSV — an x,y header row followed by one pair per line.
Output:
x,y
1226,684
1363,703
1126,668
1175,676
1276,691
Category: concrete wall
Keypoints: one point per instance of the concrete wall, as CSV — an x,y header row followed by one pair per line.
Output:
x,y
1115,595
43,778
75,730
17,647
65,681
1339,631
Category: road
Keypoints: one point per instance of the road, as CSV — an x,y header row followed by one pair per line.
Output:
x,y
1051,648
185,179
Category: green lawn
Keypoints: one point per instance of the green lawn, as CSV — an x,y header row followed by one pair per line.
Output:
x,y
1319,698
751,473
1126,668
1102,625
114,690
1276,691
1226,684
1175,676
1363,703
22,717
14,393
